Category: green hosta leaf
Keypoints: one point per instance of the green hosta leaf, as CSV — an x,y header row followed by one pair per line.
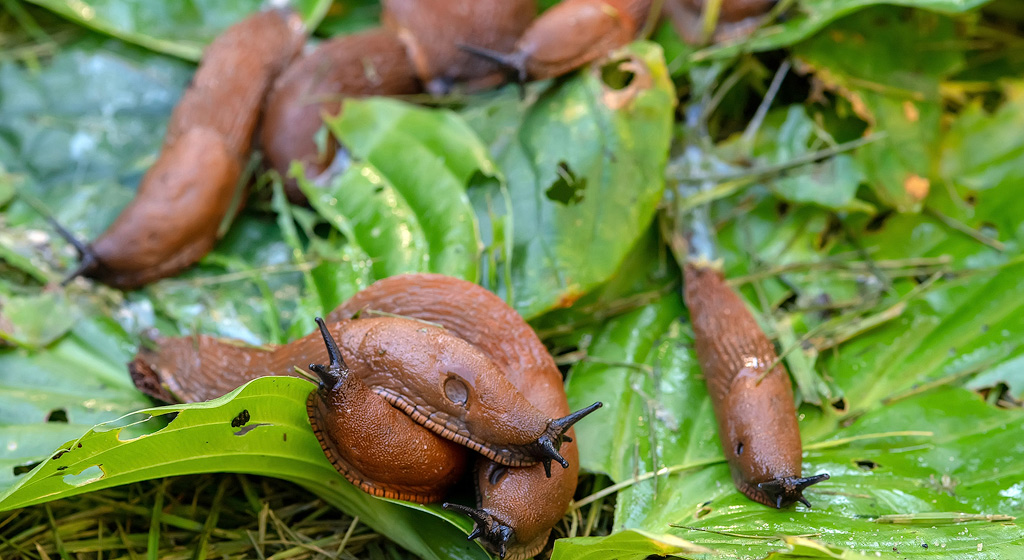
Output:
x,y
584,164
429,156
943,454
898,95
181,29
35,320
204,437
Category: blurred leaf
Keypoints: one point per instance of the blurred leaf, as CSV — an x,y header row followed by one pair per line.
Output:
x,y
804,19
180,29
584,164
200,437
898,95
832,183
35,320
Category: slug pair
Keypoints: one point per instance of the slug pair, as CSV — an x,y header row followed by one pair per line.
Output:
x,y
485,358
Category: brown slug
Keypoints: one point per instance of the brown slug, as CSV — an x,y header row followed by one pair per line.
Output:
x,y
432,31
516,507
365,438
736,18
756,413
370,442
373,62
569,35
175,216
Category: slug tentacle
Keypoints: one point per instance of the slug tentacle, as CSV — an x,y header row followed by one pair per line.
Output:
x,y
548,444
335,372
784,491
494,534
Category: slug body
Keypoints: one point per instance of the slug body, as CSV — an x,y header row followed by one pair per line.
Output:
x,y
516,507
756,413
369,63
174,219
736,19
571,34
364,437
432,31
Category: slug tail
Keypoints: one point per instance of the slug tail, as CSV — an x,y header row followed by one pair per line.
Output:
x,y
332,374
783,492
494,534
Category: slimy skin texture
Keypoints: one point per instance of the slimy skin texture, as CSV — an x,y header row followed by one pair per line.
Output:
x,y
373,62
736,19
571,34
365,438
516,507
432,31
757,422
182,199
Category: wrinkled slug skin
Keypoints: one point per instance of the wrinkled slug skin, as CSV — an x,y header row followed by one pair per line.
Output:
x,y
364,437
736,19
369,63
575,32
432,31
524,499
757,423
173,219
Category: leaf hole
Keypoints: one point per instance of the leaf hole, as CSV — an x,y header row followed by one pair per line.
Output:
x,y
867,465
839,405
616,75
22,469
251,427
878,221
136,425
567,189
90,474
58,415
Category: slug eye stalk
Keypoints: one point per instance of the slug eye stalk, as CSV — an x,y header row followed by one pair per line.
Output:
x,y
548,444
515,62
493,533
335,372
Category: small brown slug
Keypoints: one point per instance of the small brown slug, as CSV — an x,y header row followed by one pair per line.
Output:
x,y
373,62
756,414
569,35
516,507
370,442
432,31
175,216
736,19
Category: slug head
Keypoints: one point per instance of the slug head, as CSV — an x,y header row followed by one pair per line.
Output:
x,y
547,445
334,373
784,491
494,534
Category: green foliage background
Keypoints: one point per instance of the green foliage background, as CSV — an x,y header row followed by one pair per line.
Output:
x,y
888,273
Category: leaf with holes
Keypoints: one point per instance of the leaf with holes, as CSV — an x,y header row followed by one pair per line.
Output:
x,y
276,440
584,163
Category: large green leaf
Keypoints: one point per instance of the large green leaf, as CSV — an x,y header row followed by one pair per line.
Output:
x,y
205,437
584,160
890,462
181,29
